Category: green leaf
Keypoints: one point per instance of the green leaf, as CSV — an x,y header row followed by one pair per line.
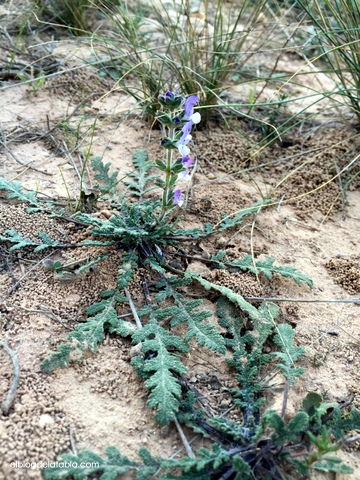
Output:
x,y
238,431
140,179
203,464
240,466
154,264
332,465
111,468
237,219
340,423
20,242
227,292
15,189
109,182
284,339
127,269
58,360
205,334
87,243
150,466
311,402
285,433
165,390
248,357
123,328
87,335
267,268
298,423
228,319
47,242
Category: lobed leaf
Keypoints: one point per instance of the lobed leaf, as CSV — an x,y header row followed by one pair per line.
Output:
x,y
87,335
16,191
165,390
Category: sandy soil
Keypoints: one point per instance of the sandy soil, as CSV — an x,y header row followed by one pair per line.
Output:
x,y
101,401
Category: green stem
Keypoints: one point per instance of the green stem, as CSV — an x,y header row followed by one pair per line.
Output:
x,y
165,198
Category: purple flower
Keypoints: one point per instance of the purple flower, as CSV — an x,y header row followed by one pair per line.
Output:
x,y
189,105
159,251
187,127
184,175
48,263
185,137
187,162
169,95
177,197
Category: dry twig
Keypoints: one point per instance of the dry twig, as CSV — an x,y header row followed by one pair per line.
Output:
x,y
133,309
5,406
184,439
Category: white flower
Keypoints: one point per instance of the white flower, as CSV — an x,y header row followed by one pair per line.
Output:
x,y
185,175
183,150
196,117
187,139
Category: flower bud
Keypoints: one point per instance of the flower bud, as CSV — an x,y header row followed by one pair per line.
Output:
x,y
168,143
171,100
170,120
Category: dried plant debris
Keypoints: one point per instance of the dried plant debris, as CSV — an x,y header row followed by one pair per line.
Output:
x,y
345,272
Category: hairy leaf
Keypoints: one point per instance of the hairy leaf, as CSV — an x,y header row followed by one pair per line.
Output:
x,y
342,422
285,433
227,292
162,365
127,269
16,191
204,463
87,335
290,353
140,175
110,468
20,242
268,269
204,333
109,182
233,221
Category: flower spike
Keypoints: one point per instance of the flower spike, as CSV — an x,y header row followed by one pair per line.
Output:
x,y
189,106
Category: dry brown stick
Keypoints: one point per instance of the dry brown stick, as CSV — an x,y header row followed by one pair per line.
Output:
x,y
27,165
302,300
285,399
72,441
8,267
184,439
22,278
5,406
133,309
348,333
348,440
46,311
